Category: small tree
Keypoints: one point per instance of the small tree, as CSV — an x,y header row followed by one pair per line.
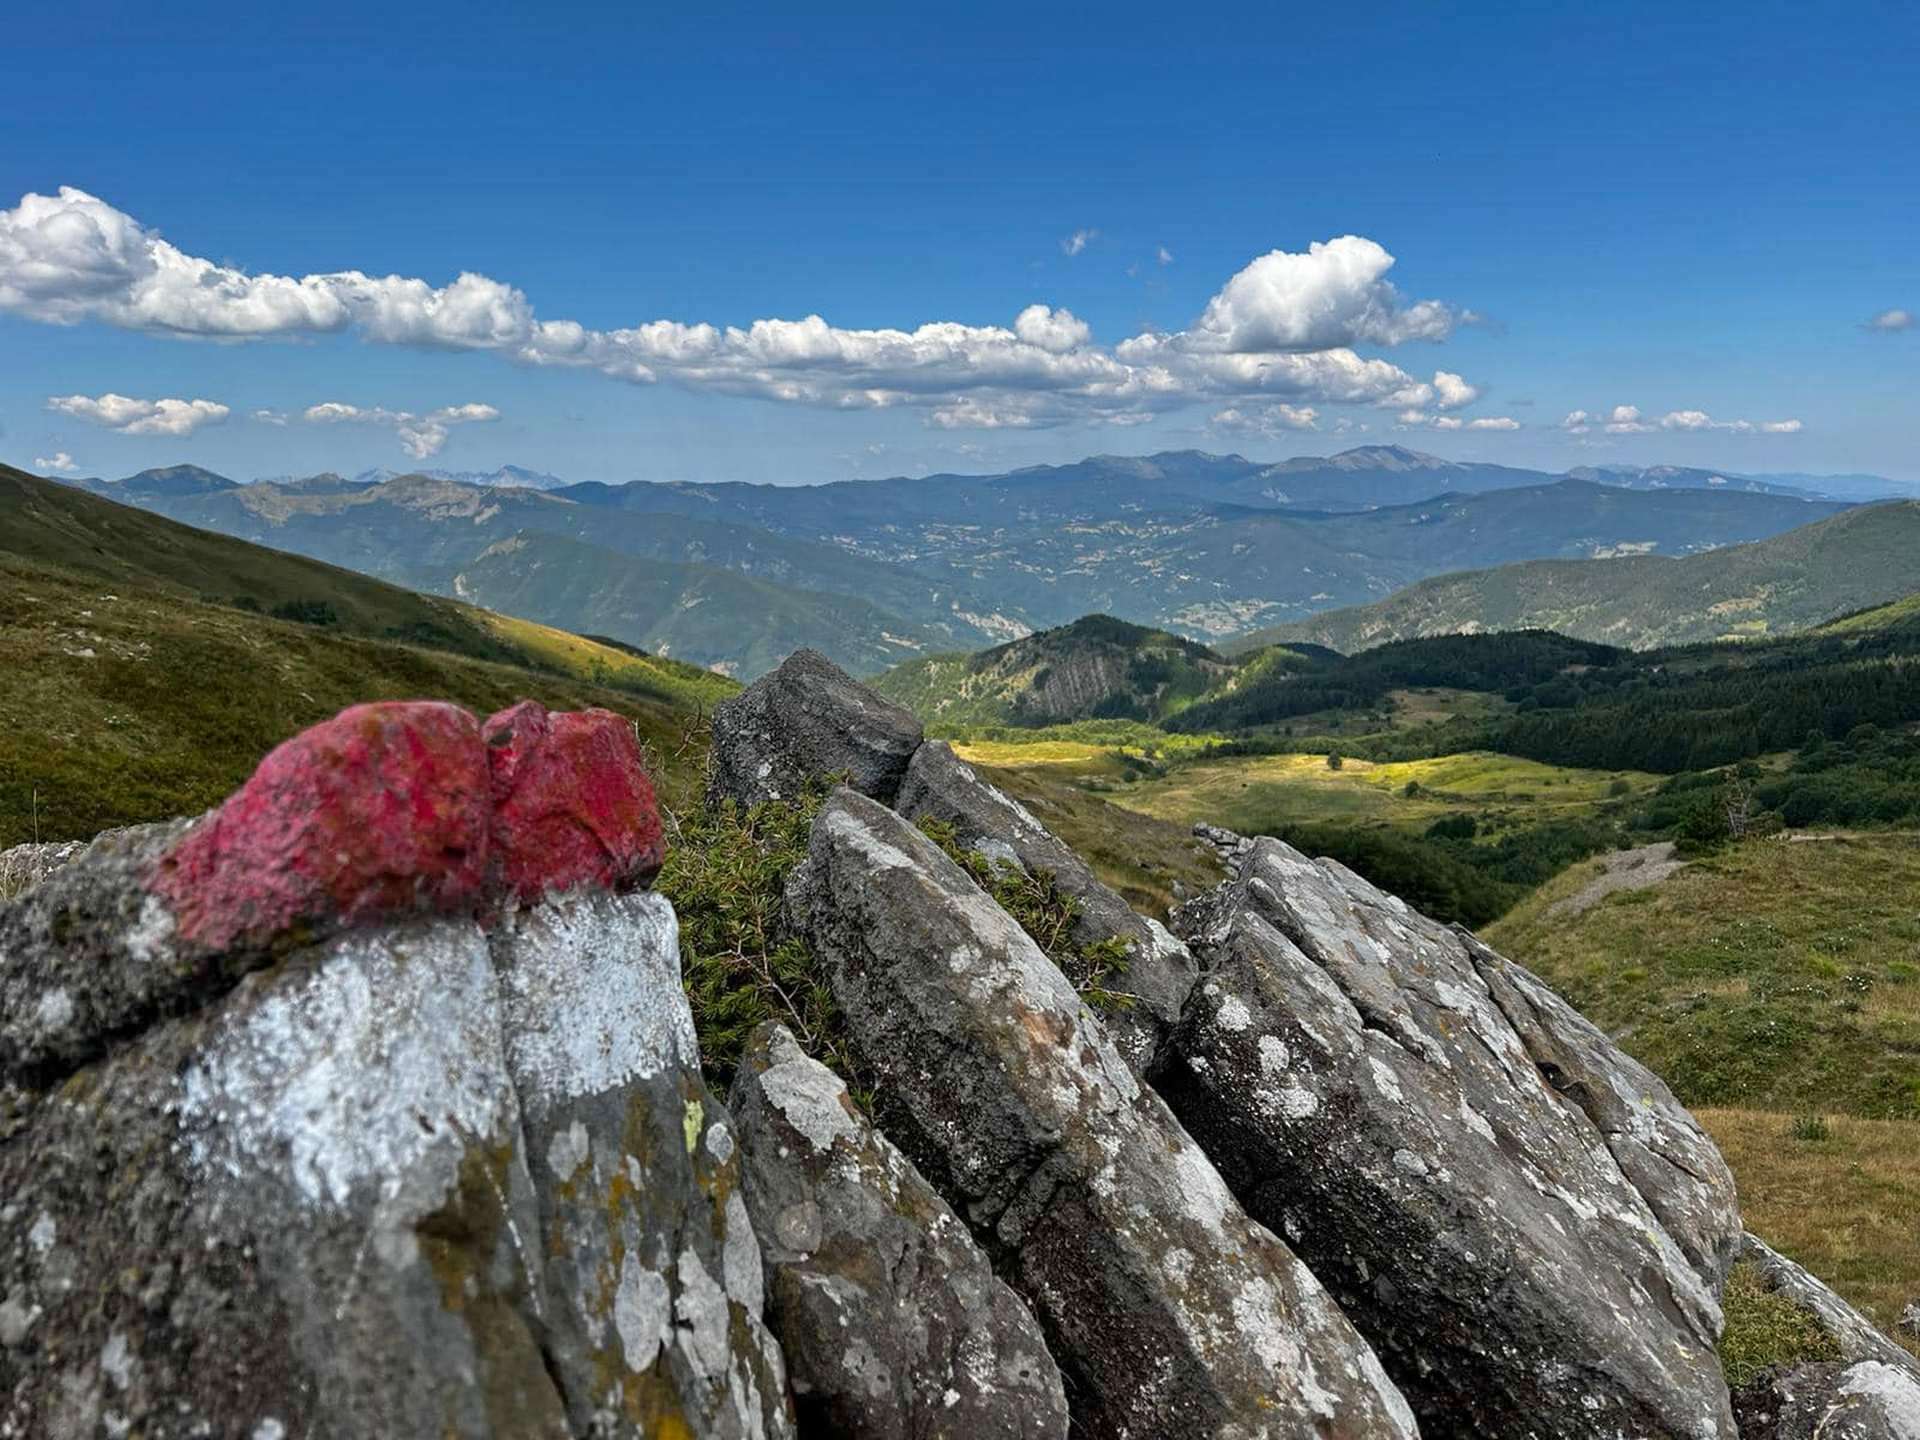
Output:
x,y
1334,761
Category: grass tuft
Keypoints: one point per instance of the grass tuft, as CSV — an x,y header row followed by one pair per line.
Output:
x,y
1765,1330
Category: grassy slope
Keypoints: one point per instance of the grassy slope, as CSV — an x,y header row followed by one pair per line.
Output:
x,y
47,524
1781,975
1798,579
1777,980
1262,792
147,705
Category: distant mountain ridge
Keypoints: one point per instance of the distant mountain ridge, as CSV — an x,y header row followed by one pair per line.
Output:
x,y
1203,546
1859,558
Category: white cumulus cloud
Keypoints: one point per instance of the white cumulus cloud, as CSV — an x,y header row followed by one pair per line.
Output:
x,y
421,436
140,417
1627,420
1078,241
1267,419
1284,329
60,461
1889,322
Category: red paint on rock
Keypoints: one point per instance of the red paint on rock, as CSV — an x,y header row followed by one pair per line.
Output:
x,y
572,803
382,810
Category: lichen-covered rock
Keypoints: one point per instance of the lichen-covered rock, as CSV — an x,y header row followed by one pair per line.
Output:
x,y
893,1324
1171,1313
655,1290
572,804
1364,1092
1857,1400
1854,1336
1658,1145
90,952
24,866
805,720
1160,972
303,1211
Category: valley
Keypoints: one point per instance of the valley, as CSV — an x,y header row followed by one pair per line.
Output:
x,y
1214,548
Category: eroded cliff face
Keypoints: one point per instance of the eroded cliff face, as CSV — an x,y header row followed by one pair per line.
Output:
x,y
370,1105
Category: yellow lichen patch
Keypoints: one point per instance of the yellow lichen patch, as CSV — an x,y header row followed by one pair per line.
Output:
x,y
694,1122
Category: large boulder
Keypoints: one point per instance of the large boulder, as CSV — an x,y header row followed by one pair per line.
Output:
x,y
654,1289
890,1317
1160,971
1169,1310
1363,1089
806,720
1659,1146
302,1211
344,1160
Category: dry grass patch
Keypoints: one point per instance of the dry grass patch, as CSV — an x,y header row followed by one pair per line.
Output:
x,y
1843,1206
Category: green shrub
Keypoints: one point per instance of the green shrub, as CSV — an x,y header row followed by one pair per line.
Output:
x,y
725,874
1811,1128
1765,1330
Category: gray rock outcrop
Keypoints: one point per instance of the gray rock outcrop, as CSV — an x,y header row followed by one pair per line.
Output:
x,y
1160,971
891,1319
655,1292
808,719
1360,1085
1171,1313
24,866
1857,1400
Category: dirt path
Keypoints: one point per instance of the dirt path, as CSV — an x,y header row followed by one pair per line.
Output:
x,y
1622,870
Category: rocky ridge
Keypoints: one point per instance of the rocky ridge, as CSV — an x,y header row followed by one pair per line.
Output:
x,y
370,1104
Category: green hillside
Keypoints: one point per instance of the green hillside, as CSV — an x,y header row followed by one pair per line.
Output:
x,y
1096,668
1860,558
701,613
146,671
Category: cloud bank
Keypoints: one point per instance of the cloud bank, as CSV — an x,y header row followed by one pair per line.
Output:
x,y
1282,330
1627,420
140,417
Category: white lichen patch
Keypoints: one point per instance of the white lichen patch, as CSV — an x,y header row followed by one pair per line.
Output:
x,y
1233,1014
151,937
811,1097
375,1066
1274,1055
54,1012
642,1313
740,1270
591,995
569,1150
701,1309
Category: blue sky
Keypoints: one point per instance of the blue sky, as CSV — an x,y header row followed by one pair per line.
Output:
x,y
1693,211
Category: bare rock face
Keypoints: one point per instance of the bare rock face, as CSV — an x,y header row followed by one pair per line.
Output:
x,y
890,1317
1171,1312
654,1278
293,1145
1364,1090
1160,971
1659,1147
806,719
304,1210
1858,1400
